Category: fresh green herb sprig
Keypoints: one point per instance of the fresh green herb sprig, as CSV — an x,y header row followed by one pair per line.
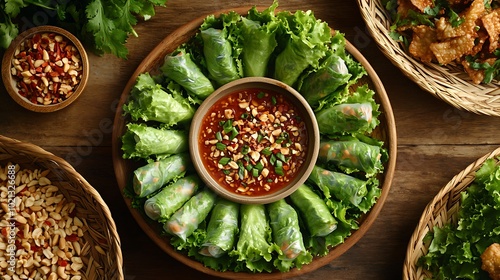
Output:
x,y
103,25
491,71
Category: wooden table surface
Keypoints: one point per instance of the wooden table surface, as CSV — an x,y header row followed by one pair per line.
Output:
x,y
435,142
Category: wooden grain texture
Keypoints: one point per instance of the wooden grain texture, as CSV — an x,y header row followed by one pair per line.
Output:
x,y
435,142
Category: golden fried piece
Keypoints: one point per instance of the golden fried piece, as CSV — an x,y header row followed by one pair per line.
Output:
x,y
423,37
404,6
445,29
453,49
491,23
491,261
422,4
459,2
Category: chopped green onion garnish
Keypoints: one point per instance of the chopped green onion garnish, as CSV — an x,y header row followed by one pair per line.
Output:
x,y
272,159
266,151
218,136
245,149
241,170
228,126
224,160
279,168
249,167
281,157
255,172
220,146
259,166
273,100
259,138
234,132
226,172
261,94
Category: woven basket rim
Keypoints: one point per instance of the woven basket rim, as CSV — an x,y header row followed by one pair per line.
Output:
x,y
38,152
450,84
458,183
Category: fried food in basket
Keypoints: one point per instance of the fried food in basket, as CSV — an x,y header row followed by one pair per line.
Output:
x,y
491,261
461,32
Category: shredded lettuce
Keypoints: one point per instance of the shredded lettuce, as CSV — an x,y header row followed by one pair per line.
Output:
x,y
258,35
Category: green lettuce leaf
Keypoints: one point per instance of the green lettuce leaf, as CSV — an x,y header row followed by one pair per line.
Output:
x,y
258,35
150,102
307,40
180,67
455,249
254,248
219,37
358,114
142,141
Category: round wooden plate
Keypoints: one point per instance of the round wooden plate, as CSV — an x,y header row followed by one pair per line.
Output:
x,y
386,132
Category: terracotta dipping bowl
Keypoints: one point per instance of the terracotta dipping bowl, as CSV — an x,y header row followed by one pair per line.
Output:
x,y
48,65
200,149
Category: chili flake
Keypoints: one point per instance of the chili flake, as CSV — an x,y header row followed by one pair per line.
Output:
x,y
47,68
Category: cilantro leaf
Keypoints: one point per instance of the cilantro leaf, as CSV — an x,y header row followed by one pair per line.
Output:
x,y
107,38
8,31
13,7
145,8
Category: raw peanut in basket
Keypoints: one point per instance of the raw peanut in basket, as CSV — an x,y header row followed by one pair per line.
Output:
x,y
48,237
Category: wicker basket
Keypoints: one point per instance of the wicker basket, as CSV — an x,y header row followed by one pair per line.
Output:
x,y
101,233
441,210
449,83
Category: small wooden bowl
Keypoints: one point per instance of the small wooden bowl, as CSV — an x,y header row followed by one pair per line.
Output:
x,y
12,85
304,111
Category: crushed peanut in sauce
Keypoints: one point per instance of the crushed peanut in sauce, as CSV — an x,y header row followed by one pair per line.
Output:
x,y
253,141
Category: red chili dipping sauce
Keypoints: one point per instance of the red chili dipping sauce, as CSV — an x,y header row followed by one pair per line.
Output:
x,y
253,142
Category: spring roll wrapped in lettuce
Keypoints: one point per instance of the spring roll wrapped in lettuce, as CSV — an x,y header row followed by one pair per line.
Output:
x,y
142,141
254,246
258,31
351,156
163,204
180,67
152,176
359,114
307,43
317,216
187,219
286,233
344,187
222,229
150,102
332,74
218,56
